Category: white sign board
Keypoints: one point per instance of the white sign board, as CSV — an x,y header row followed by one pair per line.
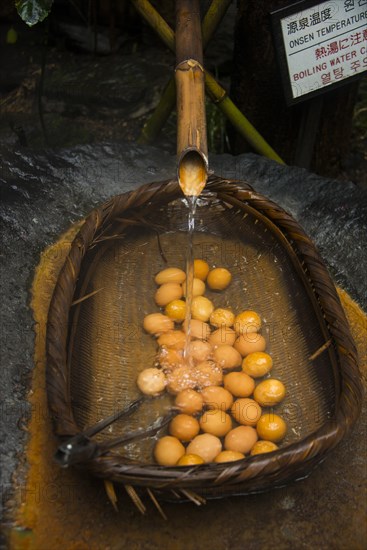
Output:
x,y
323,44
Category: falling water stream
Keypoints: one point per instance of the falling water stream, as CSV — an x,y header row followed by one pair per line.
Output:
x,y
192,173
191,203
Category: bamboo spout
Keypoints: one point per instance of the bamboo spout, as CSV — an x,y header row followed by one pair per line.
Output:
x,y
192,149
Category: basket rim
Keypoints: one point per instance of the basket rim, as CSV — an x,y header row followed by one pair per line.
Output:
x,y
261,470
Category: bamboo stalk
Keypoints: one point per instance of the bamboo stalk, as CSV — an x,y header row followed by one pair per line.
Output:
x,y
192,149
215,90
157,120
213,17
154,124
156,21
237,118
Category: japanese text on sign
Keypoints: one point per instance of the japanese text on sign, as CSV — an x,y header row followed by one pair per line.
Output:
x,y
324,44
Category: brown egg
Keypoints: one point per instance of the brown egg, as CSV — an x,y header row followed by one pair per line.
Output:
x,y
227,357
207,446
229,456
167,293
176,310
174,339
222,318
222,336
269,392
190,460
247,322
180,379
201,269
246,411
198,329
184,427
250,343
257,364
168,451
241,439
218,278
170,275
208,373
216,397
201,308
198,287
216,422
271,427
156,323
189,401
151,381
263,446
200,351
239,384
170,358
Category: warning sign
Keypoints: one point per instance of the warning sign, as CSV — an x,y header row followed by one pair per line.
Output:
x,y
320,45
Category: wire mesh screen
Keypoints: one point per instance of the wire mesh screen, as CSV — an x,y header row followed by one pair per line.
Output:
x,y
108,346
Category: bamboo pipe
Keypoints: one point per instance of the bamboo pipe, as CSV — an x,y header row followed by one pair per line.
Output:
x,y
154,124
215,90
192,149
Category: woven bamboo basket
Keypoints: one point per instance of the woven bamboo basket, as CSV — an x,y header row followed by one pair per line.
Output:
x,y
96,345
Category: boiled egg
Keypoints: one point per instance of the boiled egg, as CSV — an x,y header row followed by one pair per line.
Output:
x,y
189,401
184,427
170,275
222,318
168,451
222,336
216,422
249,343
246,411
271,427
219,278
257,364
239,384
227,357
156,323
201,269
241,439
269,392
167,292
216,397
247,321
229,456
151,381
207,446
201,308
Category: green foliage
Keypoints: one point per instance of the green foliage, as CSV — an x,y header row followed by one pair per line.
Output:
x,y
33,11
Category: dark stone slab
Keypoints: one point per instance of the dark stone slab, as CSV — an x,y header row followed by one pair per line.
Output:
x,y
44,193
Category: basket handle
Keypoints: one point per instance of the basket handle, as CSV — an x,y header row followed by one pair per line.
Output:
x,y
81,448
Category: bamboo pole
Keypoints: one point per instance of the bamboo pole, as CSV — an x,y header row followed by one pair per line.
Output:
x,y
215,90
157,120
212,18
192,149
156,21
240,122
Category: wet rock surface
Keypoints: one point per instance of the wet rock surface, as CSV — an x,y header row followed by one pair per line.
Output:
x,y
44,192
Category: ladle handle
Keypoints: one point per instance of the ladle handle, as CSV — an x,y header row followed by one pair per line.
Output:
x,y
192,148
